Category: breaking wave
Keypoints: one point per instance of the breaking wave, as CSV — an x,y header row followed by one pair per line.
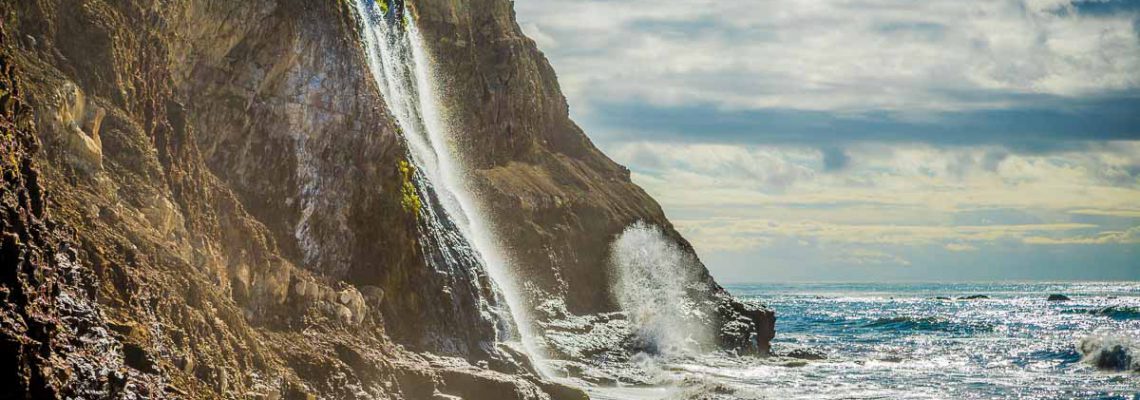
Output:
x,y
652,278
1111,352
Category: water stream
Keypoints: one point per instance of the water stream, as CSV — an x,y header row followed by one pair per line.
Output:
x,y
457,227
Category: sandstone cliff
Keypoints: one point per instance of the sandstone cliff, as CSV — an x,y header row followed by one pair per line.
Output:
x,y
203,198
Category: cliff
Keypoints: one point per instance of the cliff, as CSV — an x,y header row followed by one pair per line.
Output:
x,y
205,199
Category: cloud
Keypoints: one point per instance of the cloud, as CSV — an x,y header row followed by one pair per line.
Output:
x,y
960,247
865,132
766,170
871,257
1130,236
843,56
1109,213
733,198
693,177
1049,125
726,230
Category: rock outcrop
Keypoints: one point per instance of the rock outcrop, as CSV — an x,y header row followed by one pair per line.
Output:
x,y
204,199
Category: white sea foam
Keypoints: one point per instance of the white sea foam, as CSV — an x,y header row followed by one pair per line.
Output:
x,y
653,277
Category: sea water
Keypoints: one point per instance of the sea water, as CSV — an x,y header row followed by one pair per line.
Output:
x,y
925,341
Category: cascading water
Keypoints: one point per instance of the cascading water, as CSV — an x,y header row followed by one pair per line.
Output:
x,y
454,226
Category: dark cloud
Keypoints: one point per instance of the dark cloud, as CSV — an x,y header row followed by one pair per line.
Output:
x,y
1059,124
1106,7
835,159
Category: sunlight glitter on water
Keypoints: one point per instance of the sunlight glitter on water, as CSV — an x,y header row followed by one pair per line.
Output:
x,y
921,341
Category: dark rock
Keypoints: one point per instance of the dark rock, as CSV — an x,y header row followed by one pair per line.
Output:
x,y
975,297
805,354
1058,297
54,338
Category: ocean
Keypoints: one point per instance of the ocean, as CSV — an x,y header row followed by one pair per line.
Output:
x,y
924,341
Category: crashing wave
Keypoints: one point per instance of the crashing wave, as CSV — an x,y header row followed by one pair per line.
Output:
x,y
1111,352
652,285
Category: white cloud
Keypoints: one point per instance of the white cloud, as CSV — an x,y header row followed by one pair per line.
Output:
x,y
728,230
855,60
960,247
1130,236
1110,213
847,56
871,257
689,177
732,198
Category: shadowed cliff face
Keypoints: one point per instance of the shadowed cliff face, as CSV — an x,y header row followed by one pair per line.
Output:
x,y
53,337
232,178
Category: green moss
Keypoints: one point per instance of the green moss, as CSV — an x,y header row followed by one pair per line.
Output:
x,y
409,199
383,6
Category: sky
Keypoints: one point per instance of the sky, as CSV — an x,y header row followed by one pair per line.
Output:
x,y
853,140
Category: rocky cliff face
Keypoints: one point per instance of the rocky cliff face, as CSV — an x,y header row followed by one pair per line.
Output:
x,y
558,201
203,199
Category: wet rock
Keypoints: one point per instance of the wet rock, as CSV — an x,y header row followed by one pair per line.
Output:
x,y
805,354
975,297
1058,297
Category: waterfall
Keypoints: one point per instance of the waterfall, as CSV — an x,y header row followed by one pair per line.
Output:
x,y
457,227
